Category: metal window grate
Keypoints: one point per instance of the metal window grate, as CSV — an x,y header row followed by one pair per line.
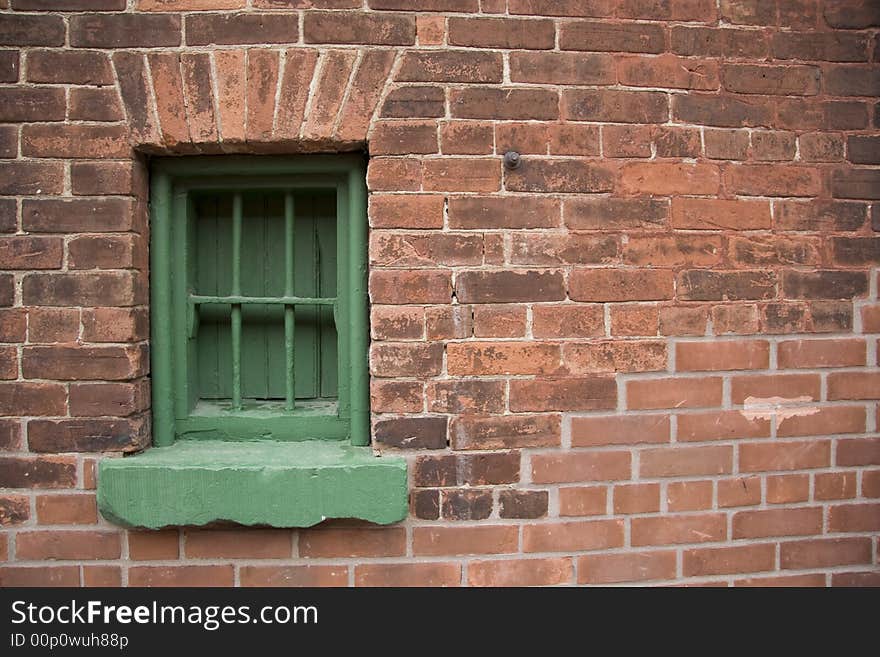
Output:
x,y
235,300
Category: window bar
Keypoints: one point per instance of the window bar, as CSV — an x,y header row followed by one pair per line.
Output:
x,y
289,320
236,307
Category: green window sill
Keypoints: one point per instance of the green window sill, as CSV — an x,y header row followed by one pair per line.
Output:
x,y
276,484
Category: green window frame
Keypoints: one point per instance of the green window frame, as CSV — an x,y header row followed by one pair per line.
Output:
x,y
178,307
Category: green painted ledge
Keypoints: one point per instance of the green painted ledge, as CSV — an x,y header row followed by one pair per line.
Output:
x,y
277,484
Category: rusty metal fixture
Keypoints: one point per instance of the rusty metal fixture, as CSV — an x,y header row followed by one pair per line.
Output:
x,y
512,160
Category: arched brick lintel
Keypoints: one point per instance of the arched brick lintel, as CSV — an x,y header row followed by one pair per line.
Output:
x,y
256,100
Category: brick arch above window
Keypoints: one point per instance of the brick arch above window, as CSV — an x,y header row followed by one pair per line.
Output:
x,y
252,100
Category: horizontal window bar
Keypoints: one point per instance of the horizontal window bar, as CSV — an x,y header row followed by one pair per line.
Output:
x,y
198,299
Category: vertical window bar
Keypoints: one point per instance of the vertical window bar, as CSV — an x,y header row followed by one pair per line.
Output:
x,y
289,320
236,307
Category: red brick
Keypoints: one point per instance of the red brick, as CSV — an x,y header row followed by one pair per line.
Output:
x,y
231,72
824,552
860,451
353,27
458,66
23,398
632,567
449,322
180,576
714,214
334,70
153,545
620,285
406,211
528,504
817,580
870,579
38,472
614,356
414,102
568,394
467,138
571,248
853,385
621,37
499,321
406,359
408,574
513,33
458,175
391,249
24,177
430,30
235,544
822,421
871,483
483,539
482,358
726,355
663,178
509,286
728,560
615,106
686,461
14,510
742,491
568,321
784,456
33,545
758,389
115,324
71,363
562,68
415,286
611,213
294,576
411,433
854,518
262,82
102,576
787,489
497,212
592,431
587,8
583,501
66,510
636,498
505,432
41,576
835,486
580,466
573,536
777,522
10,435
673,393
668,71
520,572
344,542
672,529
98,178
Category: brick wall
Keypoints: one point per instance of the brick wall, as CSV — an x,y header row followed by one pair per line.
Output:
x,y
648,355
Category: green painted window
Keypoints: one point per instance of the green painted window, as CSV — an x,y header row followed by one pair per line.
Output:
x,y
259,307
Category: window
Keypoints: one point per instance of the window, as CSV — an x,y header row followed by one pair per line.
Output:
x,y
259,329
259,301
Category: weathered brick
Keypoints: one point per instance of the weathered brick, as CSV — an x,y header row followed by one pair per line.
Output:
x,y
124,30
511,33
505,432
356,27
620,37
412,433
29,30
615,106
